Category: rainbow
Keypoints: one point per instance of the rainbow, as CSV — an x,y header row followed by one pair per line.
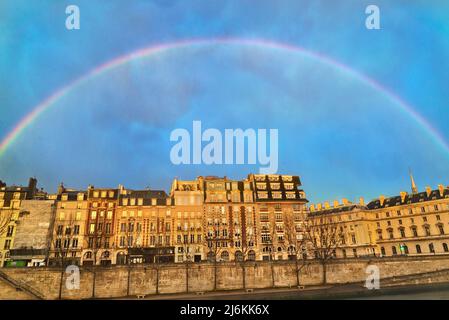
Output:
x,y
20,127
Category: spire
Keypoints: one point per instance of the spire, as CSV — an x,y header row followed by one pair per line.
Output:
x,y
414,188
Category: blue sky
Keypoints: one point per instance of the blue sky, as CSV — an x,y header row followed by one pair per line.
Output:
x,y
342,137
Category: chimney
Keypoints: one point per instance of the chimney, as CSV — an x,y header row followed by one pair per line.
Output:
x,y
326,205
32,183
382,200
403,195
441,189
428,191
336,203
121,189
61,188
344,201
362,201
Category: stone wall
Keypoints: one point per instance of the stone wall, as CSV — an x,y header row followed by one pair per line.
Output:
x,y
147,279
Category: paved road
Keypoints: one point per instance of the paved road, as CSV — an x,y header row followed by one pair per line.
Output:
x,y
356,292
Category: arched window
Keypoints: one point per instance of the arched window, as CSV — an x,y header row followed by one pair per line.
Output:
x,y
238,256
251,255
445,248
88,255
418,248
405,249
121,258
225,256
210,256
382,251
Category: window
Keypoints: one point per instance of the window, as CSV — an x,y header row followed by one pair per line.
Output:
x,y
122,227
414,231
418,248
68,231
427,230
122,241
379,234
405,248
440,228
390,233
93,215
431,248
75,243
423,209
445,248
92,228
382,251
402,231
394,251
59,230
10,231
435,207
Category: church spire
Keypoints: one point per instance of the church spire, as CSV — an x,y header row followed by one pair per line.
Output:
x,y
414,188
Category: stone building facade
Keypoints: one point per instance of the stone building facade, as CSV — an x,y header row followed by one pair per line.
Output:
x,y
216,219
68,235
415,223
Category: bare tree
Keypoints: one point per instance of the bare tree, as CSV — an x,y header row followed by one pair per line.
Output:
x,y
187,255
5,220
98,243
214,249
247,245
215,238
295,241
323,236
64,234
133,240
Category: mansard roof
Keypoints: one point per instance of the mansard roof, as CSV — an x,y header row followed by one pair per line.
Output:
x,y
409,199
